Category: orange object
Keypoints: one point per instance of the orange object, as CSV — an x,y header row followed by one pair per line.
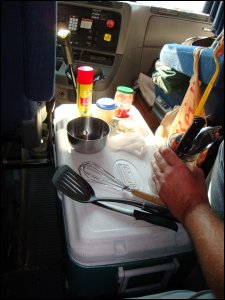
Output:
x,y
123,98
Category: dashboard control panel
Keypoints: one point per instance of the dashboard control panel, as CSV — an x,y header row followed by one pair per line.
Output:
x,y
91,28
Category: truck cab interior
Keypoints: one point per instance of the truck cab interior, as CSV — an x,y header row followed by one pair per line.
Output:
x,y
122,41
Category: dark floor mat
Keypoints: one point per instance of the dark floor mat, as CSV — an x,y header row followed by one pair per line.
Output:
x,y
34,284
44,240
40,243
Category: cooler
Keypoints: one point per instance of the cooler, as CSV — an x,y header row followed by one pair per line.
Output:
x,y
110,254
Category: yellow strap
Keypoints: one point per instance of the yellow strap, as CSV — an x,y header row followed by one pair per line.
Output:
x,y
212,81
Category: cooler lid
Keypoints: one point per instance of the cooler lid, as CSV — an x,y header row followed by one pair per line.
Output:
x,y
96,236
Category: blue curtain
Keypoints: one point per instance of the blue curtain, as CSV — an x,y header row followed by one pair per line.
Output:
x,y
216,11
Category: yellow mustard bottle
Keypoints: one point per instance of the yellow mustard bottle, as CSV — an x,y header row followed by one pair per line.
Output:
x,y
85,78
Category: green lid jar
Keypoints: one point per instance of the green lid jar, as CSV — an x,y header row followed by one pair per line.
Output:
x,y
124,99
125,89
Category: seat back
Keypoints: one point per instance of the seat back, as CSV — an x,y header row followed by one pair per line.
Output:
x,y
28,39
180,58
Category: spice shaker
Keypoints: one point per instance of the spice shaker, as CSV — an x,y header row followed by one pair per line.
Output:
x,y
85,77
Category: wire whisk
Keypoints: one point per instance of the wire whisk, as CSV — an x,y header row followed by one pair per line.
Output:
x,y
93,172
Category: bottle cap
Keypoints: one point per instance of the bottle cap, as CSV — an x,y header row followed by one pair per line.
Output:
x,y
85,75
106,103
125,90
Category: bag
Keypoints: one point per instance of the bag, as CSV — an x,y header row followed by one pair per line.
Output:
x,y
181,117
146,87
162,132
190,102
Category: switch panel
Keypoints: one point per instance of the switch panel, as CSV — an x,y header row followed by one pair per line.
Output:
x,y
91,28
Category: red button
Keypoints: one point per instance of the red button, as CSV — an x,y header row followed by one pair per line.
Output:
x,y
110,23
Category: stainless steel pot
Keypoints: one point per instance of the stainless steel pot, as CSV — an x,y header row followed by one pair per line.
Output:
x,y
87,134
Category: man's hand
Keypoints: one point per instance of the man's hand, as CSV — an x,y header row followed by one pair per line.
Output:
x,y
185,194
180,188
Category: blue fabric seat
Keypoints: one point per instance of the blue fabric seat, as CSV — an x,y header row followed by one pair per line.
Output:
x,y
28,39
180,58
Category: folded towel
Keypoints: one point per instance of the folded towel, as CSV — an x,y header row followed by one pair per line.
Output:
x,y
132,142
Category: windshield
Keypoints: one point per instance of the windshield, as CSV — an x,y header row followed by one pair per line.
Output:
x,y
191,6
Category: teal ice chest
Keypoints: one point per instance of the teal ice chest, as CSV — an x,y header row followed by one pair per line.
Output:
x,y
113,255
109,254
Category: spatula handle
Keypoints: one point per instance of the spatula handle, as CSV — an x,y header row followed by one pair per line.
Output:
x,y
148,197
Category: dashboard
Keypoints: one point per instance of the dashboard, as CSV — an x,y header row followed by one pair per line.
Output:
x,y
92,30
119,40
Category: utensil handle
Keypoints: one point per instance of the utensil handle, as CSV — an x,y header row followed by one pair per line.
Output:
x,y
192,131
140,215
155,219
148,197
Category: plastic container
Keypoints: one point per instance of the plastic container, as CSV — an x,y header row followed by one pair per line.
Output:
x,y
85,77
105,109
124,97
189,160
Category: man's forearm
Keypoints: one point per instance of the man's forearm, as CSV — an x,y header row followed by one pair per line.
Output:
x,y
207,233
